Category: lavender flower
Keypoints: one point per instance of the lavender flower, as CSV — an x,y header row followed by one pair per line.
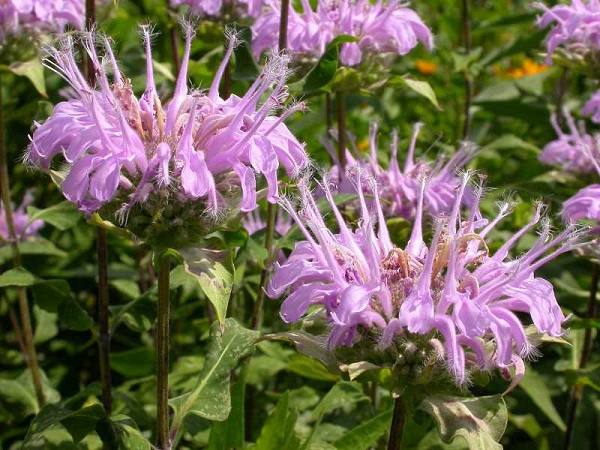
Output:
x,y
576,27
216,8
190,157
253,222
18,17
23,229
452,296
399,188
573,151
592,107
380,28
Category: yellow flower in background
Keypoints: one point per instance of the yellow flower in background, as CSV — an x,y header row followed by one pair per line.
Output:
x,y
426,67
528,67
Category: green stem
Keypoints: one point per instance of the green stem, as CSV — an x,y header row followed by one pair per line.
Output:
x,y
397,427
104,336
272,208
466,36
30,355
586,352
162,354
341,122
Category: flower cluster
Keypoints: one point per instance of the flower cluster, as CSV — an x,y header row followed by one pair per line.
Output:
x,y
592,107
219,8
399,188
576,26
452,295
127,151
17,17
23,228
573,151
379,28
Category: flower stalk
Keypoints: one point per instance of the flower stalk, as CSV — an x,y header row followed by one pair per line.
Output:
x,y
272,207
104,336
398,423
162,354
466,36
586,352
30,354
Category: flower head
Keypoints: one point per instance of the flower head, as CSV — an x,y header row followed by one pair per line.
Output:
x,y
23,228
181,160
399,187
381,27
592,107
572,151
575,26
17,16
451,295
216,8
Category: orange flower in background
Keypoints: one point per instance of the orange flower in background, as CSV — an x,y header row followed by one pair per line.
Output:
x,y
426,67
527,68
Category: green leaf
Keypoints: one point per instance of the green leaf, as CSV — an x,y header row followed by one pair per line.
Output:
x,y
15,398
18,276
230,433
245,66
420,87
342,393
32,70
211,398
62,216
310,368
73,316
366,434
213,277
137,362
535,387
48,294
39,246
78,423
481,421
278,430
322,75
121,433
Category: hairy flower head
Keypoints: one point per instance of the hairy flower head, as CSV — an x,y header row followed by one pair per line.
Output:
x,y
380,27
185,159
450,293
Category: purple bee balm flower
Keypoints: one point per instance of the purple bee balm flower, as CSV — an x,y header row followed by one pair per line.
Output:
x,y
23,228
400,187
198,149
253,222
216,8
572,151
592,107
381,27
575,27
451,294
583,205
25,16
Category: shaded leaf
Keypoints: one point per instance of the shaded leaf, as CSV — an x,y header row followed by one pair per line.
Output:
x,y
62,216
481,421
366,434
535,387
278,431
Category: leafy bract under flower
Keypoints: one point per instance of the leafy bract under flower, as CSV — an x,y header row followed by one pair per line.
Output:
x,y
135,151
23,228
451,291
399,187
576,26
381,27
18,16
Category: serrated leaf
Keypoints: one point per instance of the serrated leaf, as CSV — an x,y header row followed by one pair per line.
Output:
x,y
278,431
213,277
366,434
62,216
211,398
32,70
481,421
